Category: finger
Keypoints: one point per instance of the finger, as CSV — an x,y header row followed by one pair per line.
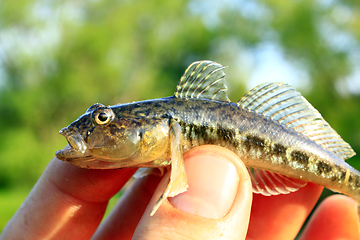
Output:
x,y
66,203
335,218
124,218
281,216
216,204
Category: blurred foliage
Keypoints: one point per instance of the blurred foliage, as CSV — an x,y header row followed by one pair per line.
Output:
x,y
58,58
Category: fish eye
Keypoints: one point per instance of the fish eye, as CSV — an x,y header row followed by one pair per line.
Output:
x,y
95,106
102,116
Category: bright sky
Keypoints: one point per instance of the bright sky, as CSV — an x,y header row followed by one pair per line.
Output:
x,y
271,66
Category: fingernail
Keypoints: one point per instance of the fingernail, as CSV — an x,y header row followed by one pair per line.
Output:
x,y
213,184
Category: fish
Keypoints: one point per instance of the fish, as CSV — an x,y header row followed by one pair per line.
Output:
x,y
281,138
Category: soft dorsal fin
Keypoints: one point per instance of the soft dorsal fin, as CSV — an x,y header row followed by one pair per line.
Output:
x,y
203,79
282,103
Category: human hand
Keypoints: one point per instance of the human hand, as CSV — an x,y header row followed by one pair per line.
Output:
x,y
69,202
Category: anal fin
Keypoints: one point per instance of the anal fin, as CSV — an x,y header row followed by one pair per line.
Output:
x,y
269,183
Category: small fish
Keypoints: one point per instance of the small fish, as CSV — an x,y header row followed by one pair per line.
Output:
x,y
276,132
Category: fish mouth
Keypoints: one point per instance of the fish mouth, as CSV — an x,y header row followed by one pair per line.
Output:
x,y
77,147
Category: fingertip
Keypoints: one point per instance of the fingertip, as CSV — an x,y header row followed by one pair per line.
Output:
x,y
335,218
213,183
92,185
216,177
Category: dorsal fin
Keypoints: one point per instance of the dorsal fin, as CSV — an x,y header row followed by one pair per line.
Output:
x,y
282,103
203,79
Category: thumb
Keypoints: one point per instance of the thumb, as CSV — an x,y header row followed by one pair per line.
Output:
x,y
216,204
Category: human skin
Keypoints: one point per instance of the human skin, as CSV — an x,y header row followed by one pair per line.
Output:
x,y
69,202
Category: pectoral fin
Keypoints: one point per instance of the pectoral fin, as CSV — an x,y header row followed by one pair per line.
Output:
x,y
178,179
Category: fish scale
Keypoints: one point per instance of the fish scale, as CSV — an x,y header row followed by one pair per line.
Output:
x,y
255,146
282,139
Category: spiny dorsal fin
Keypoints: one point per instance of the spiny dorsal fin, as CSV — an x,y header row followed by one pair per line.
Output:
x,y
269,183
282,103
203,79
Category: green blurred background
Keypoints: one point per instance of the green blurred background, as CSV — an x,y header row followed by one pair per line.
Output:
x,y
58,58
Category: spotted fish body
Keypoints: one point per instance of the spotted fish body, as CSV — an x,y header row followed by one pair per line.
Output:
x,y
273,129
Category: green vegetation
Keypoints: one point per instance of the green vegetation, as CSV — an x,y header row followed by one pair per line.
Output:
x,y
10,201
56,59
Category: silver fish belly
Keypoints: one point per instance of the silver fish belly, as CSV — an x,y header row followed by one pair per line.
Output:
x,y
276,132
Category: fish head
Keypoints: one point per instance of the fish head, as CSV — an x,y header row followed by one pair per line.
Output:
x,y
100,139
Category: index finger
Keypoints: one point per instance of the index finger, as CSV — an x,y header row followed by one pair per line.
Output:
x,y
66,202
